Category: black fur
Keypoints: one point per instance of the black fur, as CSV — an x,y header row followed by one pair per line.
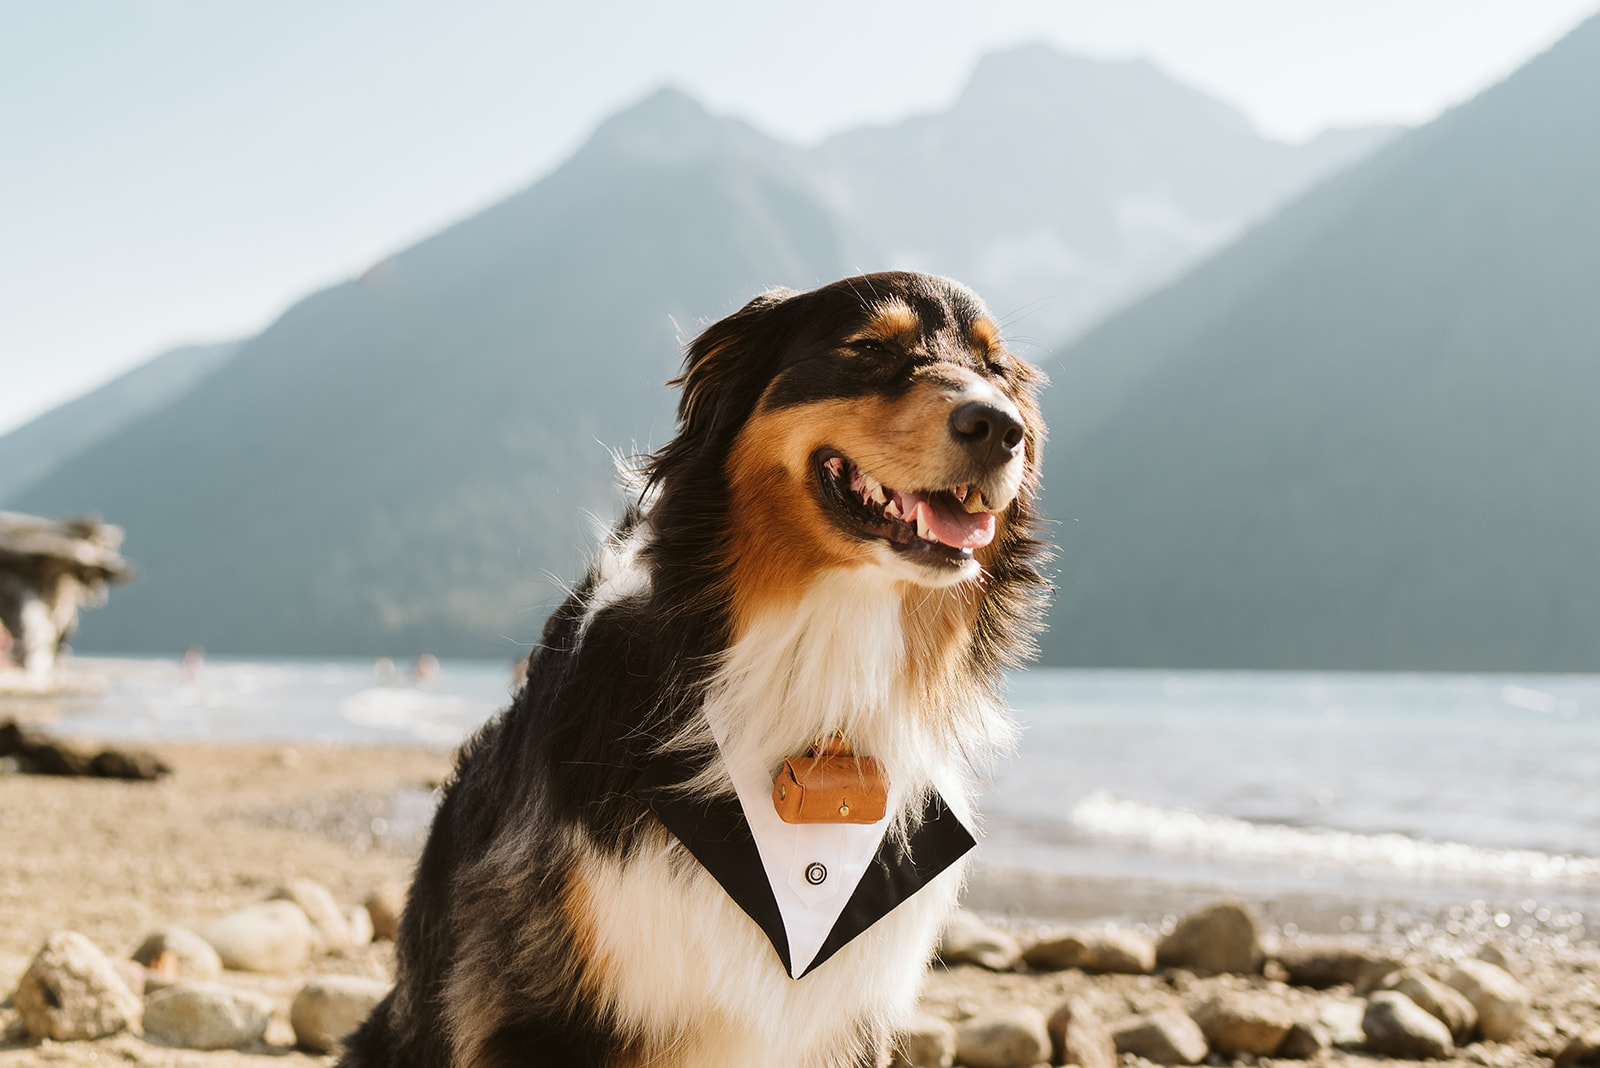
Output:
x,y
482,939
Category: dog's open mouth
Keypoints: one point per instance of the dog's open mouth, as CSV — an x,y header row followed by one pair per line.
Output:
x,y
948,523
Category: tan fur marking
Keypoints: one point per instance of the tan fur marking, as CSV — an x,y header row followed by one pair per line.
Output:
x,y
577,904
903,443
892,321
984,335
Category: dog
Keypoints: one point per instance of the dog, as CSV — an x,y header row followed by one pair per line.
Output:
x,y
828,566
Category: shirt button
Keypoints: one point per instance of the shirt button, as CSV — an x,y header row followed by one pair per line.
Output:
x,y
816,874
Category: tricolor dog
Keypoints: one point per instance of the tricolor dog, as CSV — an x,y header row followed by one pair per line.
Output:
x,y
724,820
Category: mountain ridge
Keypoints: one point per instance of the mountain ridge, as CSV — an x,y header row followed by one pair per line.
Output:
x,y
1359,437
400,460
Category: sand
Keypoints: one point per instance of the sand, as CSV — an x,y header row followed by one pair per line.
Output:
x,y
113,860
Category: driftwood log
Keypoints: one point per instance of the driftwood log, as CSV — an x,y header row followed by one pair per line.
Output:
x,y
49,570
38,755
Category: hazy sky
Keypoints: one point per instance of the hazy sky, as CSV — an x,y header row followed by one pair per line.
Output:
x,y
183,170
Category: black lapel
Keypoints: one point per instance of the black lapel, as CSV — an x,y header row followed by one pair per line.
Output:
x,y
719,837
897,872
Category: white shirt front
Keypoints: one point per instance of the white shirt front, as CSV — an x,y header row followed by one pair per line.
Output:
x,y
813,868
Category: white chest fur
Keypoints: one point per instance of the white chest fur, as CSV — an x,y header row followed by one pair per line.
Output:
x,y
684,966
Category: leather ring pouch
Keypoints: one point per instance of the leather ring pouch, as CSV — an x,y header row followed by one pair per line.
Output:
x,y
831,787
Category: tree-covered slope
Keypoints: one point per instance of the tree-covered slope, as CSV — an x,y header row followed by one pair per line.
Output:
x,y
1366,435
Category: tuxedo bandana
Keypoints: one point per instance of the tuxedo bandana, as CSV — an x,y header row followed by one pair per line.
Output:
x,y
811,887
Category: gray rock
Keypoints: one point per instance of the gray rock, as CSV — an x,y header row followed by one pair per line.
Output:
x,y
1111,950
1501,1001
191,957
1165,1037
332,929
1327,962
206,1016
1222,937
1396,1027
385,906
72,991
1582,1052
1015,1038
274,936
329,1007
1444,1003
925,1042
1245,1021
1078,1036
968,940
360,921
1305,1041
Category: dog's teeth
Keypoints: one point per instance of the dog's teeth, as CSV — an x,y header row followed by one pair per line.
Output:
x,y
974,502
835,466
960,492
922,523
892,510
878,496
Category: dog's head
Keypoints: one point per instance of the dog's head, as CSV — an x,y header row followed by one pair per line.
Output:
x,y
878,424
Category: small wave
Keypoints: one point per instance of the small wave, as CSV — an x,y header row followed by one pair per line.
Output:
x,y
434,718
1182,830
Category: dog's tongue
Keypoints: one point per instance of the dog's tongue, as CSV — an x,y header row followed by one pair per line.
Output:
x,y
947,522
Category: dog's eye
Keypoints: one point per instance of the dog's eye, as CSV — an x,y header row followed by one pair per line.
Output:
x,y
872,347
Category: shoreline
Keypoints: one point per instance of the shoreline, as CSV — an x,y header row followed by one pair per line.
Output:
x,y
113,860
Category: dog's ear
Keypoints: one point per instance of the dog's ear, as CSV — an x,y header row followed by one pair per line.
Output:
x,y
726,367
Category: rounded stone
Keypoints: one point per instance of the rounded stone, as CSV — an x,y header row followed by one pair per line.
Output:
x,y
1015,1038
1111,950
925,1042
1327,962
274,936
1245,1022
71,991
206,1016
332,929
1501,1001
385,906
329,1007
1443,1002
1167,1036
1396,1026
968,940
1078,1036
1222,937
1305,1041
191,956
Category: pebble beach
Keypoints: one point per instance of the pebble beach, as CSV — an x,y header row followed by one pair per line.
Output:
x,y
304,841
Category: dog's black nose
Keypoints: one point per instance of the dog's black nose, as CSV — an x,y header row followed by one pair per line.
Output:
x,y
992,434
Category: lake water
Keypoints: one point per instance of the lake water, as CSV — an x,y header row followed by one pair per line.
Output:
x,y
1420,789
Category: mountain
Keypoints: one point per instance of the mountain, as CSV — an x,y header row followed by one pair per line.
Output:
x,y
401,462
1365,435
414,460
33,450
1062,187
